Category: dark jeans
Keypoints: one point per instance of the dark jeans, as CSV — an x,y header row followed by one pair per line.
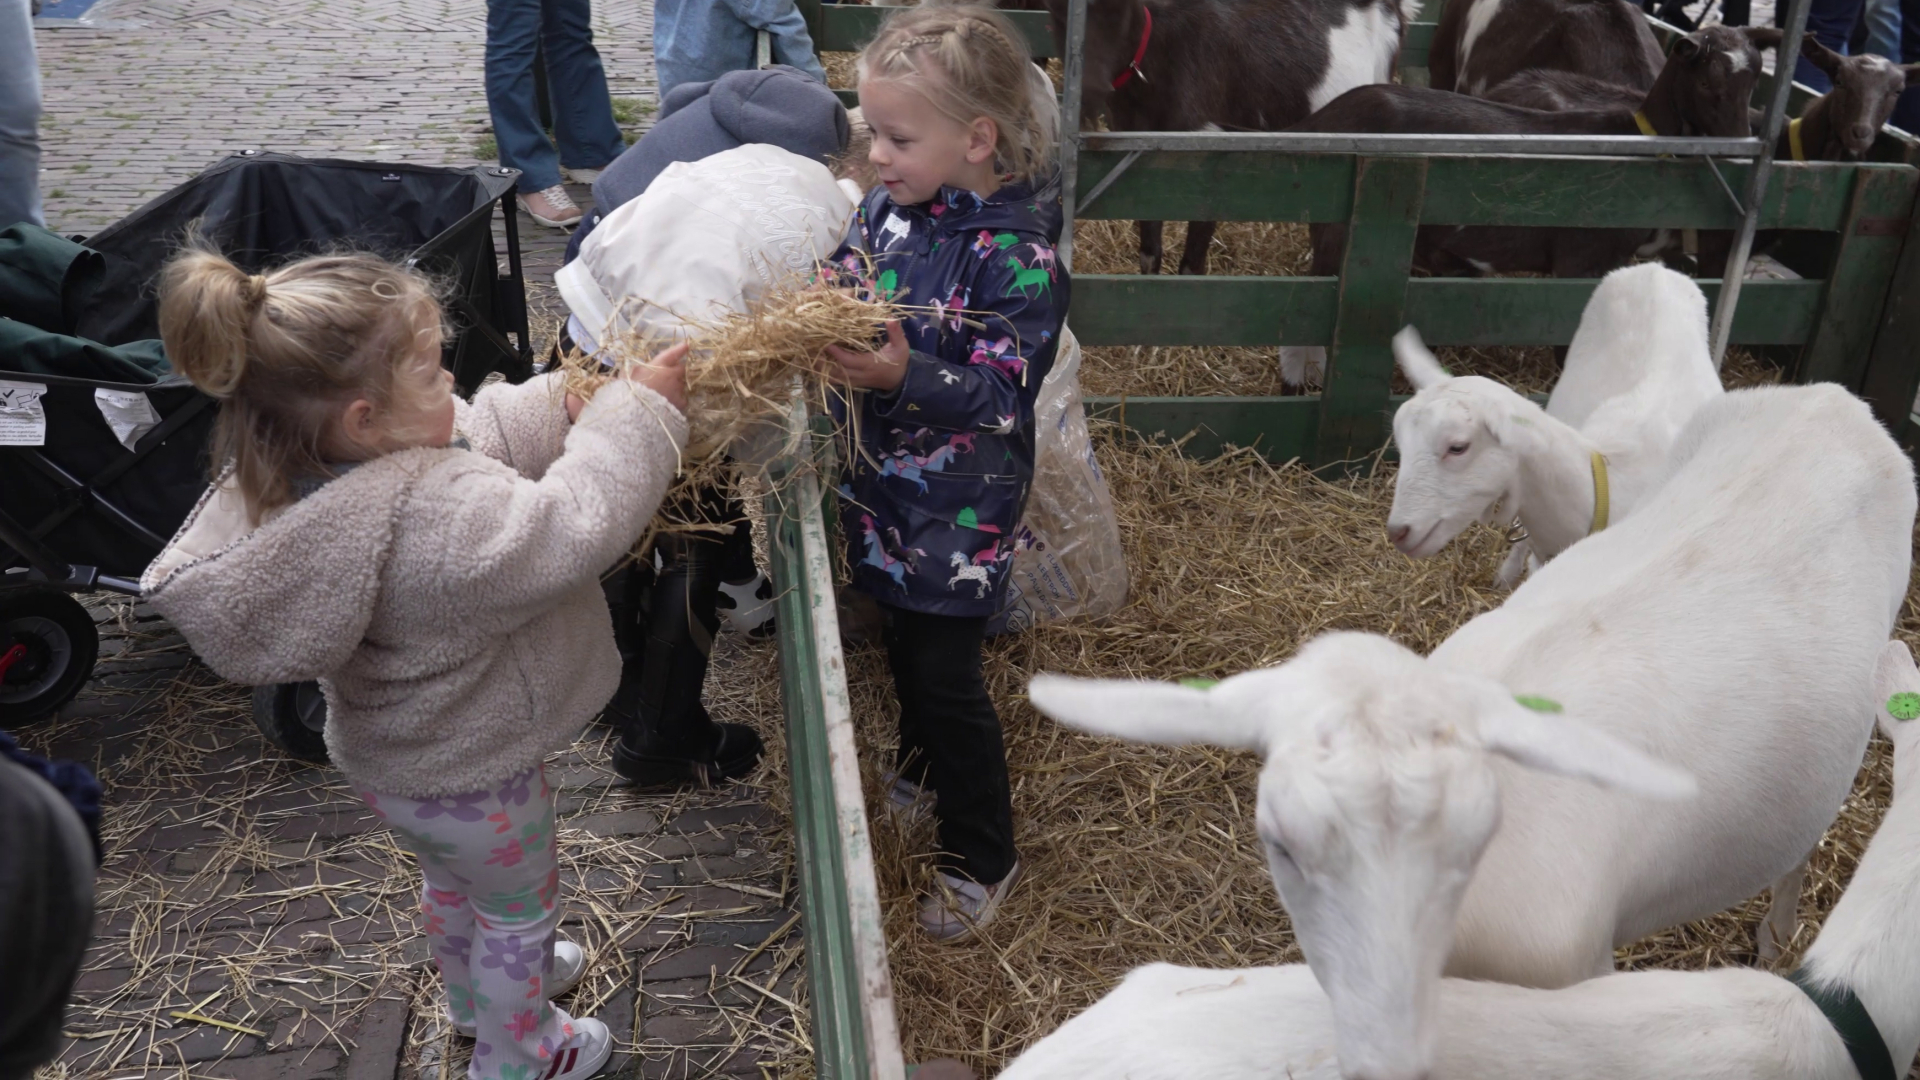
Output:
x,y
950,739
582,112
1906,115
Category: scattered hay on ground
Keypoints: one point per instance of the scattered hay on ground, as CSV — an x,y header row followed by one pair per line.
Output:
x,y
1137,854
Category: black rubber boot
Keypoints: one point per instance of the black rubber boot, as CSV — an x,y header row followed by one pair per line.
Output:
x,y
666,738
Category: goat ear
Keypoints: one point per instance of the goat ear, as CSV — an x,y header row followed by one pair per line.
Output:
x,y
1416,360
1896,691
1820,56
1555,743
1142,711
1765,37
1688,46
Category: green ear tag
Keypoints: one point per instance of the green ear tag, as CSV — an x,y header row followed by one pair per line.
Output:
x,y
1200,684
1904,706
1539,704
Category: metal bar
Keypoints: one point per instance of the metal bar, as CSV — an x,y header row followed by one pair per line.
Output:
x,y
762,48
85,491
855,1034
15,535
1784,60
1726,187
1070,136
1375,145
1107,180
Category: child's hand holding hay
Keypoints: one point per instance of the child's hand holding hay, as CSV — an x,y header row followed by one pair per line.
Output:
x,y
884,368
665,374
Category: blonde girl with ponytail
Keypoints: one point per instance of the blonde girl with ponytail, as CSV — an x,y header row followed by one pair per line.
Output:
x,y
434,564
962,229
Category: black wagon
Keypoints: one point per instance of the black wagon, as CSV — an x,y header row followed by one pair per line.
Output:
x,y
104,451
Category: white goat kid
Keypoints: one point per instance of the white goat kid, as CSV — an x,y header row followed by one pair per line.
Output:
x,y
1176,1023
1473,450
1729,628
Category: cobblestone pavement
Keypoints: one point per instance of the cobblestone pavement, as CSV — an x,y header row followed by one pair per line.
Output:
x,y
253,892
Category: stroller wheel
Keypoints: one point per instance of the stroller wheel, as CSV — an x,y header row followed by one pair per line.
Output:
x,y
47,649
292,716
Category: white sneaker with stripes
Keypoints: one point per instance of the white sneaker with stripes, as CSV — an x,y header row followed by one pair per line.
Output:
x,y
583,1055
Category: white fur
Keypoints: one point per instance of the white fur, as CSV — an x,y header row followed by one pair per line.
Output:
x,y
1479,17
1303,365
1173,1023
1360,51
1730,628
1637,370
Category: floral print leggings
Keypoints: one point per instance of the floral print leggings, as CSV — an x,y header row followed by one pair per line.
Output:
x,y
491,903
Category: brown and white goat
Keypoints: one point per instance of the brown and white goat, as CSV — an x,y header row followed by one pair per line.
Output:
x,y
1236,65
1481,43
1702,90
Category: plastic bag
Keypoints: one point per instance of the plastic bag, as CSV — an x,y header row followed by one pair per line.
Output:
x,y
1067,561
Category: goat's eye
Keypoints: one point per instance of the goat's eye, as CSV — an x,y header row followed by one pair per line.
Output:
x,y
1456,449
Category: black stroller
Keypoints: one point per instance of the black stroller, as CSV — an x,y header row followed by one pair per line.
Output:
x,y
103,452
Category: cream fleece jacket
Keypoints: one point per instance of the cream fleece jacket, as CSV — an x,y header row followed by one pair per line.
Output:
x,y
447,600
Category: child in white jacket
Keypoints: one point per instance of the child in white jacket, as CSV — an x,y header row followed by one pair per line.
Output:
x,y
434,565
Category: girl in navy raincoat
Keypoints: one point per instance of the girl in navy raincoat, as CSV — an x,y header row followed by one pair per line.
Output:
x,y
964,223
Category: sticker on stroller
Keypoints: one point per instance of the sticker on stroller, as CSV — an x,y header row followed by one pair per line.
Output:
x,y
23,420
127,412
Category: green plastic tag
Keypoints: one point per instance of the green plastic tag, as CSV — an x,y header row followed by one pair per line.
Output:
x,y
1904,706
1200,684
1539,704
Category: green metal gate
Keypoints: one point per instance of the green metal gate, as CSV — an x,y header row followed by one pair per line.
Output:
x,y
1853,318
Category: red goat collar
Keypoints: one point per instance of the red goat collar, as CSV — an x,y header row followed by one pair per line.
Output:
x,y
1139,53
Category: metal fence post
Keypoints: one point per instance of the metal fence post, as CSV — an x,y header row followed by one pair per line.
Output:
x,y
1784,60
1070,125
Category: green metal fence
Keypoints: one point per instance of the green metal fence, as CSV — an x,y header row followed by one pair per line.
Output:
x,y
1853,318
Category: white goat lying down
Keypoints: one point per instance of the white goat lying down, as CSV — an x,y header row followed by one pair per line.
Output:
x,y
1175,1023
1473,450
1730,628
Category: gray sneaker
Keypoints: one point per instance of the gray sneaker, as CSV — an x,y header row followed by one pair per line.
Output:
x,y
958,907
907,802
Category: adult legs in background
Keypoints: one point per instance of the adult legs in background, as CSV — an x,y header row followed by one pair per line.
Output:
x,y
582,111
1906,115
951,741
491,903
19,117
1881,20
46,904
583,121
1830,21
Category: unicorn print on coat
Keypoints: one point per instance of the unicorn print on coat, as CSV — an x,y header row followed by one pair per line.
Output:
x,y
946,459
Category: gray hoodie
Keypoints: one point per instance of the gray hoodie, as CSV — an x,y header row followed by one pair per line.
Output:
x,y
778,105
447,600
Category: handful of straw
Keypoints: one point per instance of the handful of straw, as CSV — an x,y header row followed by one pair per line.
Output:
x,y
742,367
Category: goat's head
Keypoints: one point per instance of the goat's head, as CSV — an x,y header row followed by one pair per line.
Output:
x,y
1461,441
1709,77
1376,801
1113,34
1865,89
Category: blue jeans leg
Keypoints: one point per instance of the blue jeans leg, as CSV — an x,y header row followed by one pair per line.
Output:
x,y
513,32
19,117
1883,28
582,112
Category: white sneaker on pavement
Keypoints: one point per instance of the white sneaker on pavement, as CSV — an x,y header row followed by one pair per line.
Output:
x,y
958,907
552,206
569,964
583,1055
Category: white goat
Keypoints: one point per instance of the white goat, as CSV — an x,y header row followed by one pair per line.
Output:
x,y
1175,1023
1473,450
1730,628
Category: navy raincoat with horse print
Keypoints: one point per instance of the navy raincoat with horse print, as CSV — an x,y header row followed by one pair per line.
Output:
x,y
940,474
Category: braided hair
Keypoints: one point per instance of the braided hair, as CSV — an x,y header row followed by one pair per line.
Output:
x,y
970,62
